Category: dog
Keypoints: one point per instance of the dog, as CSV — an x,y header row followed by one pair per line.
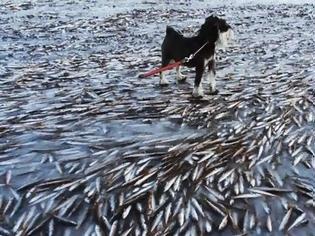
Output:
x,y
215,32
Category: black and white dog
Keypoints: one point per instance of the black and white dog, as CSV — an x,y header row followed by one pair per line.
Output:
x,y
215,32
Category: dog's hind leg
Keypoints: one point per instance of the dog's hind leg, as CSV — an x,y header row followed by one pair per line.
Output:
x,y
211,74
179,76
165,62
198,90
163,80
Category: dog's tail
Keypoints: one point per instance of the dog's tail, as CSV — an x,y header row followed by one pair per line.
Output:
x,y
171,31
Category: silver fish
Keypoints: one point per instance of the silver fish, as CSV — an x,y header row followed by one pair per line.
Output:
x,y
298,221
223,222
285,220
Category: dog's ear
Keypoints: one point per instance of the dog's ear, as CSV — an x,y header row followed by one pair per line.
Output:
x,y
212,21
212,18
209,19
210,29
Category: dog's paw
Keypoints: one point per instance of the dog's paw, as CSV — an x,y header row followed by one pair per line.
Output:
x,y
164,82
215,92
197,92
181,78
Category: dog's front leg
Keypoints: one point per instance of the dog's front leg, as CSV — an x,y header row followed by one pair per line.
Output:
x,y
179,76
198,90
211,76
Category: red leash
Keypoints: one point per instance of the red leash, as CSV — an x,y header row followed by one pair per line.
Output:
x,y
158,70
171,66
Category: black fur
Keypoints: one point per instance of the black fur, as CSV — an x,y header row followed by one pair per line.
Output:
x,y
176,46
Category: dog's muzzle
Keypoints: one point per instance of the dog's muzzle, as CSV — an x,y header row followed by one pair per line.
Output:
x,y
225,38
230,35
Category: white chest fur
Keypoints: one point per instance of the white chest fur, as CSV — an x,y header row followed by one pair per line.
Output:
x,y
207,60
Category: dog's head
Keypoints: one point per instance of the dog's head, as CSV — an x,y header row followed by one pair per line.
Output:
x,y
217,30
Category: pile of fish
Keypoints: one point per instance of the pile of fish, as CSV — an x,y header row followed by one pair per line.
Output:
x,y
88,148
